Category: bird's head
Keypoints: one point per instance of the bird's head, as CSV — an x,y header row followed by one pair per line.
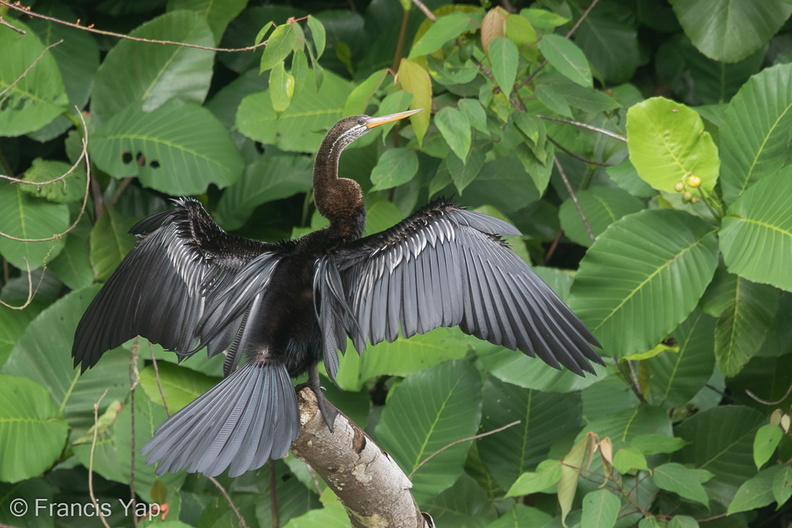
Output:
x,y
351,128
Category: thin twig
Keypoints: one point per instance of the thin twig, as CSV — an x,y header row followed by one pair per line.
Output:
x,y
583,17
30,67
578,157
602,131
460,441
425,10
134,379
765,402
91,460
9,26
230,501
157,377
91,29
572,195
553,246
125,182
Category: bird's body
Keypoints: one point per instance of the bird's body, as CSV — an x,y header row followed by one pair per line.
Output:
x,y
278,309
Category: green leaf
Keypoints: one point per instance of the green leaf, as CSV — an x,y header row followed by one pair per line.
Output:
x,y
12,325
782,486
43,354
742,327
757,232
756,492
675,378
567,59
303,125
32,429
161,73
601,206
176,149
683,521
271,178
464,172
73,265
683,481
427,412
668,146
544,418
730,30
623,426
444,29
414,79
281,88
318,34
765,443
600,509
547,474
37,96
609,38
403,357
522,515
755,136
463,504
395,167
359,98
721,441
69,189
110,242
647,259
279,45
179,385
475,114
217,12
504,59
629,459
455,130
652,444
29,218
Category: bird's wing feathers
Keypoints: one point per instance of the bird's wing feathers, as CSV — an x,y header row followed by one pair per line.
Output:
x,y
445,266
168,286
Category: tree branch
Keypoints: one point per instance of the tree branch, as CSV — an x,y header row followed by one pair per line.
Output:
x,y
372,488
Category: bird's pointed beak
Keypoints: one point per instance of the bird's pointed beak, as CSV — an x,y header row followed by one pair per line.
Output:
x,y
377,121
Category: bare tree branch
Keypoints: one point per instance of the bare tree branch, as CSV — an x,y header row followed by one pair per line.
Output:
x,y
367,481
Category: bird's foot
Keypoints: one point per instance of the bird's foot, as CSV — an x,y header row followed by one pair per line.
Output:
x,y
328,410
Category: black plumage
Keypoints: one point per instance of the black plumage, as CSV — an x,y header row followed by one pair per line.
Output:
x,y
281,308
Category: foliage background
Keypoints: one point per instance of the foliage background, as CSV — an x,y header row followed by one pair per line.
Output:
x,y
660,130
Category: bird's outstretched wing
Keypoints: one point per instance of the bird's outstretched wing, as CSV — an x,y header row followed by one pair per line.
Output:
x,y
169,287
445,266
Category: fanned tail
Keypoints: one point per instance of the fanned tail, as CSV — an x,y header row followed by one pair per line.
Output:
x,y
245,420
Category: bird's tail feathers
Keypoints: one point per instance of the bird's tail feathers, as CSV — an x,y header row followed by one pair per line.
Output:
x,y
245,420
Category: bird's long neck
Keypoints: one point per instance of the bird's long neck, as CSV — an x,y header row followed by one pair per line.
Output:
x,y
340,200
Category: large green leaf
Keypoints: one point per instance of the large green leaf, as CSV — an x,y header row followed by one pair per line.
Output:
x,y
742,327
36,97
757,232
12,325
676,377
669,146
271,178
415,80
602,206
300,127
544,419
177,148
160,72
395,167
600,508
642,277
684,481
755,136
110,242
427,412
73,265
504,59
759,490
609,38
730,30
463,504
179,385
30,218
32,429
217,12
721,441
622,427
68,189
402,357
42,354
444,29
